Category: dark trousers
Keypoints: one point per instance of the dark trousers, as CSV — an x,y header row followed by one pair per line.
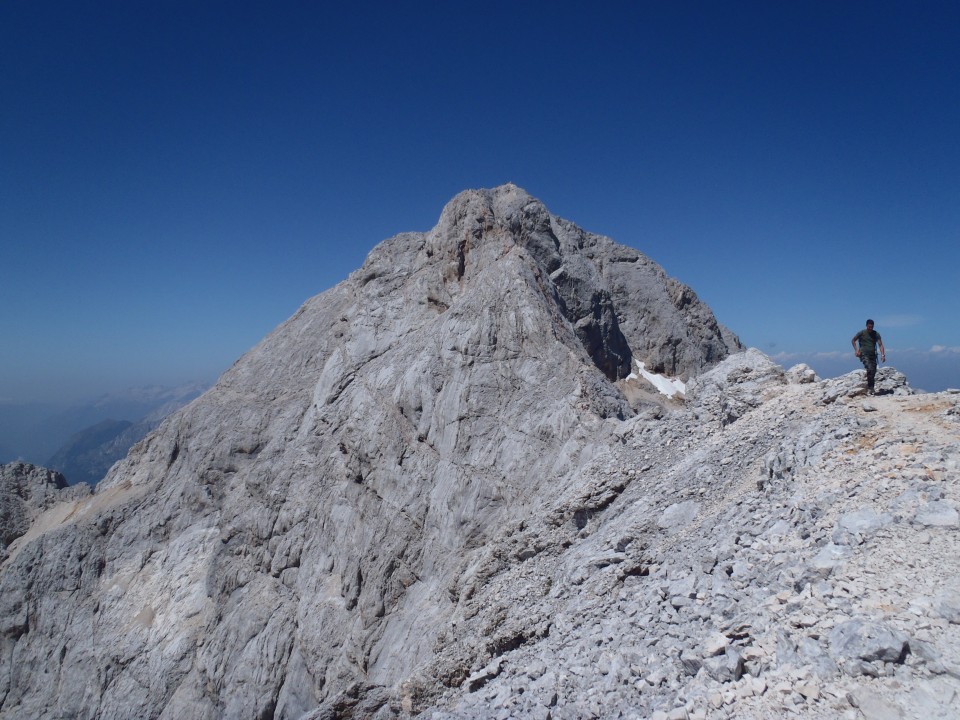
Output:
x,y
870,363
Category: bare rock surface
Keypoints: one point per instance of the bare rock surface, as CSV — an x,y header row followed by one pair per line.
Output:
x,y
810,582
26,491
436,491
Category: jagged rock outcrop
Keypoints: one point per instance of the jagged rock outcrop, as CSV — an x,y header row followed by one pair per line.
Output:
x,y
26,491
299,539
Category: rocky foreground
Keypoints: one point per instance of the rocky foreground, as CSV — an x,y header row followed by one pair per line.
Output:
x,y
779,546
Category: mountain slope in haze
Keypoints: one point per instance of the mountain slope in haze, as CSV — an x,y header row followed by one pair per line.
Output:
x,y
299,530
88,454
34,432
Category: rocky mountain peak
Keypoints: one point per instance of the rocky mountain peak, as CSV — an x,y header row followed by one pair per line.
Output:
x,y
478,226
620,304
439,482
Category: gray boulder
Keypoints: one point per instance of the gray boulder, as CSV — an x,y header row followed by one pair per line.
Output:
x,y
857,643
938,513
741,382
889,381
948,606
855,527
802,374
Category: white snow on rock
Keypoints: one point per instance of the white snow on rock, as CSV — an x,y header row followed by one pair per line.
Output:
x,y
664,385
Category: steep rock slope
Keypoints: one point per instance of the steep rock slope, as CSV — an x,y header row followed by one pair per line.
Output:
x,y
295,537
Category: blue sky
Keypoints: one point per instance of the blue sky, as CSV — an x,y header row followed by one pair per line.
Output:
x,y
176,178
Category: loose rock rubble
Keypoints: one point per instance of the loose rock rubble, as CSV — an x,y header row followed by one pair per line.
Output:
x,y
784,557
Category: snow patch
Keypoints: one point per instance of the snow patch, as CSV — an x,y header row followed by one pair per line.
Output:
x,y
663,384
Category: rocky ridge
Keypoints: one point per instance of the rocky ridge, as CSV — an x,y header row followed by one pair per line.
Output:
x,y
26,491
780,546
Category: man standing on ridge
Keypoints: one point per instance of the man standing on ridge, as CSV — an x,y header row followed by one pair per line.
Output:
x,y
868,340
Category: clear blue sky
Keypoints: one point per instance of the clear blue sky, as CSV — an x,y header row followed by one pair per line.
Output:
x,y
176,178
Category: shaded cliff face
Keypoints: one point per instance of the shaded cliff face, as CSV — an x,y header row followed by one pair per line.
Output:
x,y
298,529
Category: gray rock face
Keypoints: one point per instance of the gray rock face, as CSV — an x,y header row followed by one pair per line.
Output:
x,y
25,491
297,540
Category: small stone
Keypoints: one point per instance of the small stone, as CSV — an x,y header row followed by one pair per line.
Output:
x,y
874,707
938,513
691,663
716,644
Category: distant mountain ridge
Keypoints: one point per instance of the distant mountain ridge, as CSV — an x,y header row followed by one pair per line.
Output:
x,y
88,454
42,433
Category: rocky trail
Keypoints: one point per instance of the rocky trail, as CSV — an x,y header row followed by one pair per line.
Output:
x,y
798,560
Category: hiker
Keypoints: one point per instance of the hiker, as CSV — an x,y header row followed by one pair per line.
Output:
x,y
868,339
